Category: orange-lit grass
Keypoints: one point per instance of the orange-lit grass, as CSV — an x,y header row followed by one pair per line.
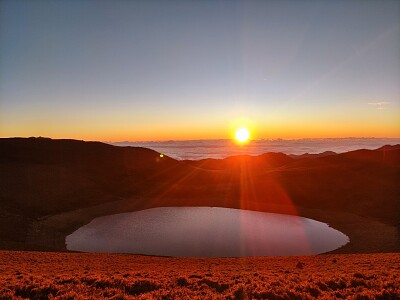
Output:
x,y
39,275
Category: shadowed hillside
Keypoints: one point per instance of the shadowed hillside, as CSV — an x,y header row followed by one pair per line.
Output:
x,y
42,177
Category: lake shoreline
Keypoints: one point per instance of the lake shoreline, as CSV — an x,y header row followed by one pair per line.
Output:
x,y
366,234
205,232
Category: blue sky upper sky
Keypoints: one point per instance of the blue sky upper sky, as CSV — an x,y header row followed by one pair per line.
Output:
x,y
146,70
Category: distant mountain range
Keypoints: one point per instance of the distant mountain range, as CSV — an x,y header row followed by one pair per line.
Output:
x,y
201,149
42,177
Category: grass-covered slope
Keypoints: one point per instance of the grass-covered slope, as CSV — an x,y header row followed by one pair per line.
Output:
x,y
37,275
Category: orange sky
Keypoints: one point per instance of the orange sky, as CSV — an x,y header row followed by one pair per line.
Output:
x,y
173,70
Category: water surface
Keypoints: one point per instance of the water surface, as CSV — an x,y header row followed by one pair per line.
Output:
x,y
205,232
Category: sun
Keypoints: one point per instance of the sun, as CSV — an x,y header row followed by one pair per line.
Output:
x,y
242,135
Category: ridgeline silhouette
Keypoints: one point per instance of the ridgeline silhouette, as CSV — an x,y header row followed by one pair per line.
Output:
x,y
42,178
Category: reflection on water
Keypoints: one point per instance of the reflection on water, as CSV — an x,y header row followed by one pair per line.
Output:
x,y
205,232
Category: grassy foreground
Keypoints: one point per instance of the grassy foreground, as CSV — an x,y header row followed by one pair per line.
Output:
x,y
41,275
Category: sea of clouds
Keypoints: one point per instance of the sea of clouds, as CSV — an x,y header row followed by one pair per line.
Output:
x,y
199,149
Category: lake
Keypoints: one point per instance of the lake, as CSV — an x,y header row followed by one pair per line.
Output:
x,y
205,232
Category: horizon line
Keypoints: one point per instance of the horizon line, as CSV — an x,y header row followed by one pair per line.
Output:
x,y
260,139
214,139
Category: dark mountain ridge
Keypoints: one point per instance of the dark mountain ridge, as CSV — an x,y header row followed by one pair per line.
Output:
x,y
41,177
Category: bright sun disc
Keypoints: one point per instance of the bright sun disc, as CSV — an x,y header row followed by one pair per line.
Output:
x,y
242,135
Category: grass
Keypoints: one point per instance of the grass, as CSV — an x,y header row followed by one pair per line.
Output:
x,y
40,275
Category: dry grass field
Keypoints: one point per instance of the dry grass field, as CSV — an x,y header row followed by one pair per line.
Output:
x,y
41,275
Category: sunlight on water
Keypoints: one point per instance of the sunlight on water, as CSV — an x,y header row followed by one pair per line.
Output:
x,y
205,232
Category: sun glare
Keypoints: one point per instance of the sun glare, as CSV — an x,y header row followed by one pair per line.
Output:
x,y
242,135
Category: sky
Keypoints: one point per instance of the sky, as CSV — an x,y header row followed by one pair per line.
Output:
x,y
174,70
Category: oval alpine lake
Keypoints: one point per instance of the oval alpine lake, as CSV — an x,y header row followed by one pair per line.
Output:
x,y
205,232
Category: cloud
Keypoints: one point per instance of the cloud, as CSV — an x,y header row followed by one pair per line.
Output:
x,y
379,104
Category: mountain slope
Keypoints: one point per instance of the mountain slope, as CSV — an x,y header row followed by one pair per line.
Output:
x,y
43,177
